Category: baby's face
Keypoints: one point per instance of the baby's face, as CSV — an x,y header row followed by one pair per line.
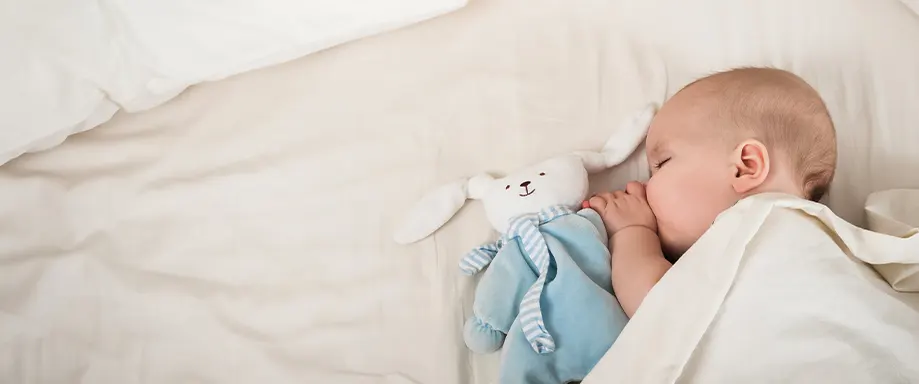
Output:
x,y
691,172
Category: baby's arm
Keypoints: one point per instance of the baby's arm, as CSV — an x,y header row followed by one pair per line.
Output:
x,y
638,264
637,260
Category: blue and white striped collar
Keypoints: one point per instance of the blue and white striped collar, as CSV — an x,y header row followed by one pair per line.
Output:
x,y
542,217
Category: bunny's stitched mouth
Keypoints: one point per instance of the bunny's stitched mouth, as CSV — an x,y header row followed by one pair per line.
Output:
x,y
529,192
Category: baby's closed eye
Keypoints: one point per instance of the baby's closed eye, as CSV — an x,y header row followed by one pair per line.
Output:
x,y
660,163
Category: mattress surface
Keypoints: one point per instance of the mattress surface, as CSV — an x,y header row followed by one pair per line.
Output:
x,y
242,231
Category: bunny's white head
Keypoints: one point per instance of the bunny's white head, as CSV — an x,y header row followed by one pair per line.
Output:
x,y
561,180
558,181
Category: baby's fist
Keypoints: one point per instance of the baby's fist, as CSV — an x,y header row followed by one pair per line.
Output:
x,y
622,209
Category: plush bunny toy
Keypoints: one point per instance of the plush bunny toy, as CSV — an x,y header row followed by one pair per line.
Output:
x,y
546,296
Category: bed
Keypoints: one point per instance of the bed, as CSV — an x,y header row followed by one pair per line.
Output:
x,y
240,231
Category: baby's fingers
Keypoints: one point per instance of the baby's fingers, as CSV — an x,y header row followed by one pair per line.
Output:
x,y
635,188
597,203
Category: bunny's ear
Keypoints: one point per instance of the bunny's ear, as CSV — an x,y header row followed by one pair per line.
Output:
x,y
437,208
622,143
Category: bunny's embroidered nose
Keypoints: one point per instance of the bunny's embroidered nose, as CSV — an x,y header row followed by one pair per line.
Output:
x,y
525,183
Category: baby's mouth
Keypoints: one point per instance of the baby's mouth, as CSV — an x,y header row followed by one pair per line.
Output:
x,y
528,192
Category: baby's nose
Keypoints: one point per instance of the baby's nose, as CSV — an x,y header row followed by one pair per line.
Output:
x,y
525,183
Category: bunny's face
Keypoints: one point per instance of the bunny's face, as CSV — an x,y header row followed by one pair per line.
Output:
x,y
558,181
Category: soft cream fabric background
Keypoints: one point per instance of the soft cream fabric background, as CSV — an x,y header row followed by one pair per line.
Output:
x,y
241,232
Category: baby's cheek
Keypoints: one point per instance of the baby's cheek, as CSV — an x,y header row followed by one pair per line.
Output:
x,y
652,193
665,205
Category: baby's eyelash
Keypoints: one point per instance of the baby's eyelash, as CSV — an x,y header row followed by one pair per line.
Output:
x,y
661,163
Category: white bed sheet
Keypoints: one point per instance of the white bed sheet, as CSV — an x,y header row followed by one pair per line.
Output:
x,y
241,232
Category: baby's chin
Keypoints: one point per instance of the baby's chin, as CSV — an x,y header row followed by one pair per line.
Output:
x,y
672,250
672,255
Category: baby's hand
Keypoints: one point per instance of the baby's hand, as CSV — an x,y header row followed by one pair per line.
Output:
x,y
623,209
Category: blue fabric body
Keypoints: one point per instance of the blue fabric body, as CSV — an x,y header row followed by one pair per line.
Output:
x,y
578,305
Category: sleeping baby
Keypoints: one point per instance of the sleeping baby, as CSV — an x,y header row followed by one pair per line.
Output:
x,y
718,140
546,294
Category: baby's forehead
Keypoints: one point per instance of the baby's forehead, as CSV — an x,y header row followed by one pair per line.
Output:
x,y
681,121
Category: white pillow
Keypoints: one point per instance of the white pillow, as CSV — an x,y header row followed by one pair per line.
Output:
x,y
71,64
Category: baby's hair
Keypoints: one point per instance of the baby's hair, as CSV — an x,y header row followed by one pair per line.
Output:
x,y
786,114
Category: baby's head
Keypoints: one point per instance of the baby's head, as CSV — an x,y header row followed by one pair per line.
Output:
x,y
731,135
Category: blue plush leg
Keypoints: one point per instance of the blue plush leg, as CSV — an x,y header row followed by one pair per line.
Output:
x,y
481,337
497,299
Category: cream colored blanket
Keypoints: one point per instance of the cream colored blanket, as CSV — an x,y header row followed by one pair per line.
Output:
x,y
796,295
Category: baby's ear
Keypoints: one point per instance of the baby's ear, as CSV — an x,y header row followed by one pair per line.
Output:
x,y
437,208
751,166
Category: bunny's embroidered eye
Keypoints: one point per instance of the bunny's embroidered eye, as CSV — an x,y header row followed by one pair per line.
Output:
x,y
542,173
507,187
